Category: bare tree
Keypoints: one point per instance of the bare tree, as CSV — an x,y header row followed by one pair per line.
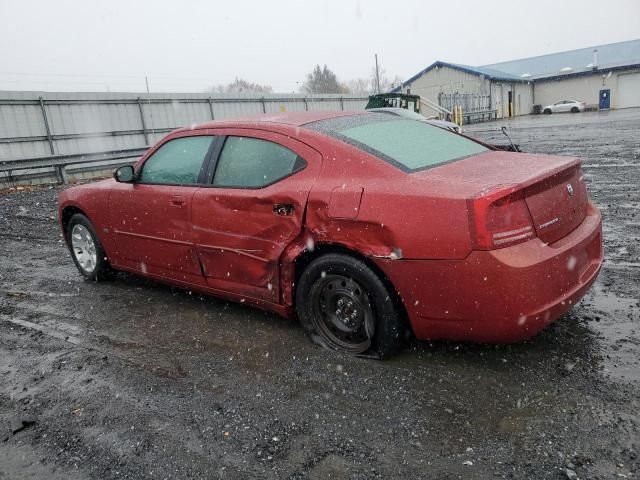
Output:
x,y
323,80
360,86
389,84
241,86
386,83
368,86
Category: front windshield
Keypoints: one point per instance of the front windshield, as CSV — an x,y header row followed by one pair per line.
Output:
x,y
407,144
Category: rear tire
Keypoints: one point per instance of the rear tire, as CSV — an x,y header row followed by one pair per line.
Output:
x,y
86,250
547,111
343,305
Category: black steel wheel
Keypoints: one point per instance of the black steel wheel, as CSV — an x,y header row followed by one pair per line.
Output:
x,y
342,313
345,306
575,109
547,111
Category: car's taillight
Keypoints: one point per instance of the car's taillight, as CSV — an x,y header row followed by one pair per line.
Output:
x,y
501,219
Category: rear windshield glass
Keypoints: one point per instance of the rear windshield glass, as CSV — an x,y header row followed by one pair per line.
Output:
x,y
408,144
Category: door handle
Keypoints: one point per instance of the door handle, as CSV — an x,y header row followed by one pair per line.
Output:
x,y
178,202
283,209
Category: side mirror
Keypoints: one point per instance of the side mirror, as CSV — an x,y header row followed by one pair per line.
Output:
x,y
124,174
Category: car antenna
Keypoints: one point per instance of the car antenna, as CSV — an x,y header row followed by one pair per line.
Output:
x,y
504,130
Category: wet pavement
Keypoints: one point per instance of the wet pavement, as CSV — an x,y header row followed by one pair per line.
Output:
x,y
133,379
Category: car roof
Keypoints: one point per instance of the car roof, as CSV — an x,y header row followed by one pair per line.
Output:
x,y
295,119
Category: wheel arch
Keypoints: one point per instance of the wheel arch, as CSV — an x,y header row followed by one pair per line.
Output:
x,y
67,212
320,249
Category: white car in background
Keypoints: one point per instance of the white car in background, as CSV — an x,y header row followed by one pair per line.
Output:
x,y
573,106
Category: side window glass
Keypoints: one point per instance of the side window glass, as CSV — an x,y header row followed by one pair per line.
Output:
x,y
254,163
177,162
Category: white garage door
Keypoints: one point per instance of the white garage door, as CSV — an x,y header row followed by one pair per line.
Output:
x,y
629,90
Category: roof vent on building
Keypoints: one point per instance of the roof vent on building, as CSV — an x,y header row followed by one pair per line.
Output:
x,y
565,69
594,65
525,75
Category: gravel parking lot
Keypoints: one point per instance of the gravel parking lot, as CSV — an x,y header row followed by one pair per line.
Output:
x,y
132,379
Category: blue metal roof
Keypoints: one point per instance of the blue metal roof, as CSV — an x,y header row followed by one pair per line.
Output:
x,y
489,73
613,55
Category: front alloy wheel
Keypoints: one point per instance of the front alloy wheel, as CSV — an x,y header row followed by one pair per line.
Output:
x,y
83,248
86,250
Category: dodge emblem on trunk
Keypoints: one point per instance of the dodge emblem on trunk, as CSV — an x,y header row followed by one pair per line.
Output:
x,y
569,189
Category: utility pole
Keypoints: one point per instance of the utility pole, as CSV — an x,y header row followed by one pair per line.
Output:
x,y
146,81
377,74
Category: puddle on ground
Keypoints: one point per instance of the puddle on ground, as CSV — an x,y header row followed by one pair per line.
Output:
x,y
617,320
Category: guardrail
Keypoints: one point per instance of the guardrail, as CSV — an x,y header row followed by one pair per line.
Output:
x,y
443,113
13,172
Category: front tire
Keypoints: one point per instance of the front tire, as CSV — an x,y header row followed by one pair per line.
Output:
x,y
343,305
575,109
86,250
547,111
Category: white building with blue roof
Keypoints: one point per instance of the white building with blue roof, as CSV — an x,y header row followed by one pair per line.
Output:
x,y
604,76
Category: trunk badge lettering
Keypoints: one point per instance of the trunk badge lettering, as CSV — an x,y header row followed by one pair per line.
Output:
x,y
570,189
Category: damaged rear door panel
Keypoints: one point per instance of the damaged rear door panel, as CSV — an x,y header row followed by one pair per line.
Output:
x,y
253,210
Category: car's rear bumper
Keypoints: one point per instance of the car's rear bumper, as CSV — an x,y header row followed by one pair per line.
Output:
x,y
503,295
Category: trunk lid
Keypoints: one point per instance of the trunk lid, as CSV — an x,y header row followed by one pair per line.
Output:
x,y
557,204
552,186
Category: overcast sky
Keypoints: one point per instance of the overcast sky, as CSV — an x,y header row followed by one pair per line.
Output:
x,y
190,45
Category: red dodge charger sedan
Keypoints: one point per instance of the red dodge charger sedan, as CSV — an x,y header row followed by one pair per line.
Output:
x,y
360,224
